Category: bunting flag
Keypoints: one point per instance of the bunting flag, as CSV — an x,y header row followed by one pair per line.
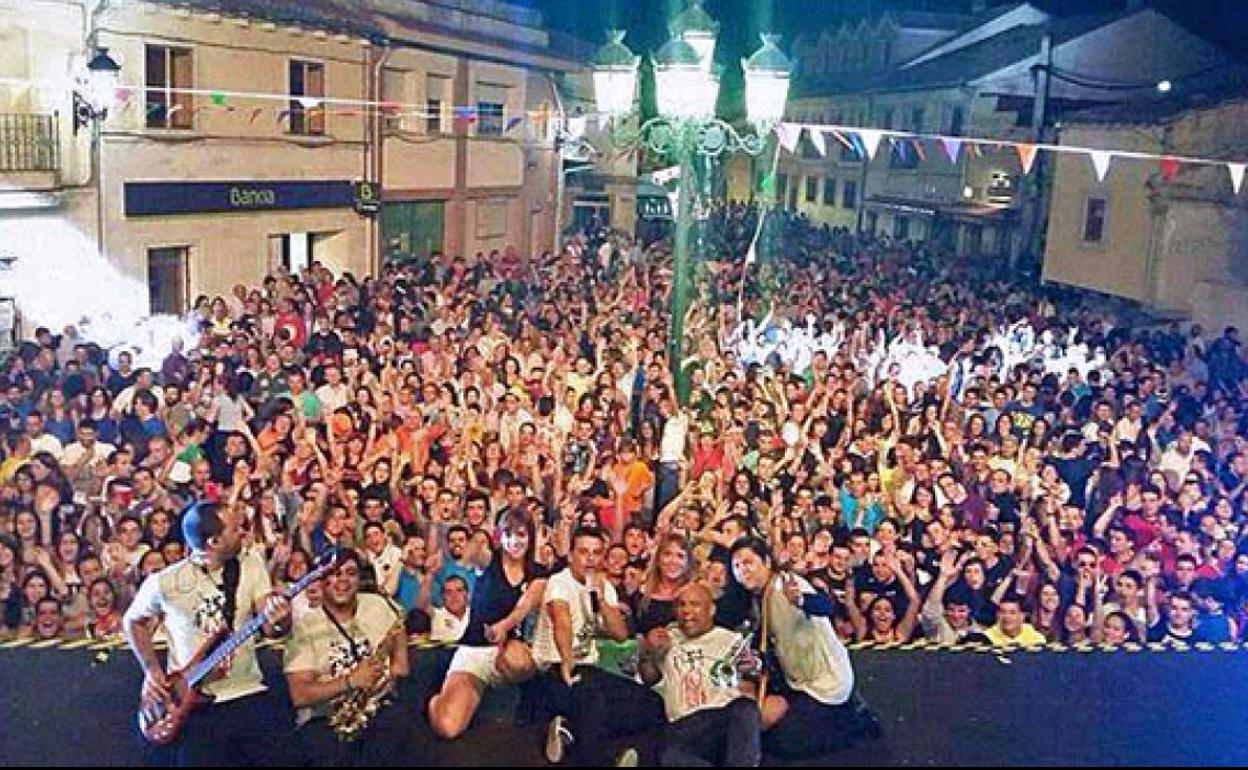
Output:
x,y
974,150
788,134
870,140
255,113
174,110
1026,156
309,102
1100,161
1169,168
466,114
820,143
841,138
284,115
388,108
1237,175
918,150
953,149
511,123
124,95
217,98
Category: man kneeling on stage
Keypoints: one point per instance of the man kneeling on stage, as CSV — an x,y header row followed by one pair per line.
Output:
x,y
341,664
694,666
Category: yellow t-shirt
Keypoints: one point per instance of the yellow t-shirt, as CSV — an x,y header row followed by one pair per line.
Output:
x,y
1028,637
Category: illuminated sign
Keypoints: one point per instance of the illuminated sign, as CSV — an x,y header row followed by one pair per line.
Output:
x,y
166,198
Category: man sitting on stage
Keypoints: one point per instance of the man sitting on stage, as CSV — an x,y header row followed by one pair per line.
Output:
x,y
710,720
809,708
353,646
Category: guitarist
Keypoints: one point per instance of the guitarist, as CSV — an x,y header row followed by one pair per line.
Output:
x,y
354,643
198,599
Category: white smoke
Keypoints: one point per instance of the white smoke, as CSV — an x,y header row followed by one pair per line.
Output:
x,y
59,279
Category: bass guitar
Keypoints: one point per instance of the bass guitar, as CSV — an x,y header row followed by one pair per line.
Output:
x,y
162,723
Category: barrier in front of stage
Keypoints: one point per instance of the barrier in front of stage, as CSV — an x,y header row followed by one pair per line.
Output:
x,y
1083,707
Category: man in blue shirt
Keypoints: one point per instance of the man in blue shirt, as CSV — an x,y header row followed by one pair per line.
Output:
x,y
458,565
411,573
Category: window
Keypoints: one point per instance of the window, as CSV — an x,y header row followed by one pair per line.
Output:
x,y
956,121
782,187
829,191
168,71
491,104
307,89
916,119
901,228
1094,216
393,91
166,280
849,194
812,189
437,96
886,118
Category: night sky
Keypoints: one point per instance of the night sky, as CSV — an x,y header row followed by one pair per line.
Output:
x,y
1222,21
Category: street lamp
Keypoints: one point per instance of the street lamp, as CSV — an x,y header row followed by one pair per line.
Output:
x,y
687,87
99,90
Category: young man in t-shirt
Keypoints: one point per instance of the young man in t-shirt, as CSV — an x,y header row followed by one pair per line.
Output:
x,y
215,588
593,708
353,645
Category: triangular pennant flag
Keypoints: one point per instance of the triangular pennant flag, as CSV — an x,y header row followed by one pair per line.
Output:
x,y
974,150
388,108
217,98
918,150
124,95
817,139
841,138
511,123
1169,168
1237,175
953,148
870,140
1026,156
898,147
1100,161
174,110
283,115
255,113
788,134
768,186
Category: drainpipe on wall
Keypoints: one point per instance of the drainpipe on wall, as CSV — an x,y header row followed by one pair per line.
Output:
x,y
375,156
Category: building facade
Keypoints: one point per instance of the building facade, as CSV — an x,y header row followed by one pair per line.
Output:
x,y
1177,246
962,76
192,184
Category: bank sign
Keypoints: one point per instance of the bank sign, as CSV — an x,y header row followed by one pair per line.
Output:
x,y
165,198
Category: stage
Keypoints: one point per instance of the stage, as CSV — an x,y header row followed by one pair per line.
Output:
x,y
75,707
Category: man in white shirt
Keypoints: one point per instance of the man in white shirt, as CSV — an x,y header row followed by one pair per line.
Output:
x,y
595,709
213,591
384,556
352,643
813,711
40,439
693,665
671,451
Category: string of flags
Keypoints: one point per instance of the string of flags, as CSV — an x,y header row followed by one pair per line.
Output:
x,y
866,142
861,141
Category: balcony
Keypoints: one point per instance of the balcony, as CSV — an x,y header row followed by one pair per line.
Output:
x,y
29,144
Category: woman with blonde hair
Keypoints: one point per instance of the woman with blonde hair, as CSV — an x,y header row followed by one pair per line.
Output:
x,y
672,567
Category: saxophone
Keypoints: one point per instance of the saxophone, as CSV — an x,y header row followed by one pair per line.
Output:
x,y
351,712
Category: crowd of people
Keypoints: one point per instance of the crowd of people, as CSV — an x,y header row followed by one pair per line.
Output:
x,y
463,422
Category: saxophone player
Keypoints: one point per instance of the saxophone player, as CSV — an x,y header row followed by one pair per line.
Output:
x,y
710,720
353,645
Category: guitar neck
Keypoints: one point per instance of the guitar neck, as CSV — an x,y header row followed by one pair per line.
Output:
x,y
249,629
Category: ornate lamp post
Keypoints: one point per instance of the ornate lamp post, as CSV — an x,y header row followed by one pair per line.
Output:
x,y
686,127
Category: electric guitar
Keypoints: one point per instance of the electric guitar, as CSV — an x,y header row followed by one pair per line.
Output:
x,y
166,724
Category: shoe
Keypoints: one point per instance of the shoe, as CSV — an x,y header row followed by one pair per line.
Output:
x,y
628,758
558,738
